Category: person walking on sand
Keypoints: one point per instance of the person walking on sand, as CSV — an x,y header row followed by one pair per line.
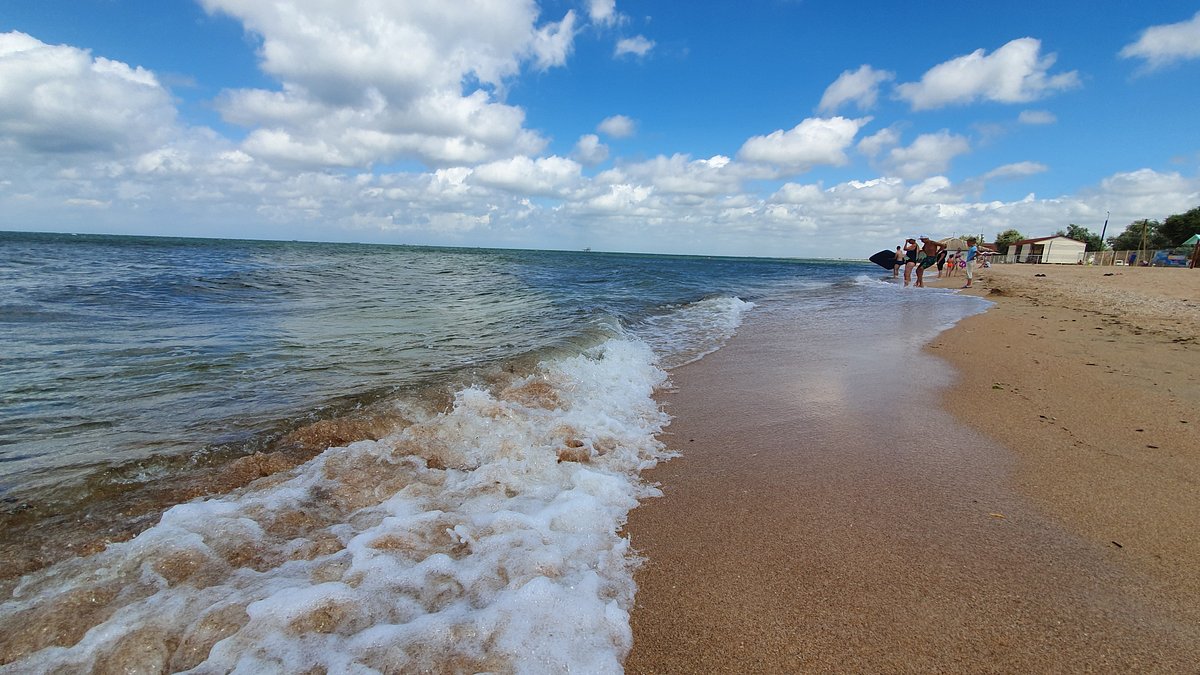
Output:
x,y
910,258
941,261
972,251
926,257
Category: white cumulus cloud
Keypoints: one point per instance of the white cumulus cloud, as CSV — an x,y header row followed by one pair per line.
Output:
x,y
603,12
635,46
589,150
935,190
928,155
1162,45
552,43
1146,193
1153,192
813,142
403,49
860,87
1036,117
879,141
364,81
617,126
61,99
1014,73
547,176
621,197
1017,170
681,175
443,128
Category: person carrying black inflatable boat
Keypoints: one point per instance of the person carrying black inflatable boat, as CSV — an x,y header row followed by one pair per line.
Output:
x,y
912,256
926,257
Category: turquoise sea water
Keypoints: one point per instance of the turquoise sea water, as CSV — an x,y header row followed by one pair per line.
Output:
x,y
461,431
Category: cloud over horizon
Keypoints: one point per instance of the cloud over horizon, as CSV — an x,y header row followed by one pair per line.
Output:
x,y
431,123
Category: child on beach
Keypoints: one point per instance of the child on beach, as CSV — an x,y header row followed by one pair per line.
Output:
x,y
972,251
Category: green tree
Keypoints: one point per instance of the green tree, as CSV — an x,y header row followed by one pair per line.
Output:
x,y
1083,234
1131,238
1006,239
1177,228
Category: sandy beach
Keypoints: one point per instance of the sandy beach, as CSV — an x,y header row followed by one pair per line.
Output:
x,y
1098,373
1033,511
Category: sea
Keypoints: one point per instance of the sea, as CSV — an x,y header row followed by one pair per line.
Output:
x,y
258,456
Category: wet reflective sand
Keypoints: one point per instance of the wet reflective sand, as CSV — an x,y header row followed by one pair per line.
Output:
x,y
827,515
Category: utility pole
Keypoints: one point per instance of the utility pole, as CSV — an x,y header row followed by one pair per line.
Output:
x,y
1102,230
1142,250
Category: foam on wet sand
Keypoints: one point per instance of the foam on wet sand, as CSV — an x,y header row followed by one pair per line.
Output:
x,y
484,538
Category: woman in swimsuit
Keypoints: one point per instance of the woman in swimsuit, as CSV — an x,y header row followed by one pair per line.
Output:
x,y
910,259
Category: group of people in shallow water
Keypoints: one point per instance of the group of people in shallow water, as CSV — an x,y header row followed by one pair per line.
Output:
x,y
930,253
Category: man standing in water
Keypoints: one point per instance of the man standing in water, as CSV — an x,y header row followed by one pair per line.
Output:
x,y
926,257
972,251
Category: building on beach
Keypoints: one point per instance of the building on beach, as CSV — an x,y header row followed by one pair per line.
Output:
x,y
954,244
1057,249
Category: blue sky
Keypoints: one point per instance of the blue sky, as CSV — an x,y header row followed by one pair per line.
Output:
x,y
769,127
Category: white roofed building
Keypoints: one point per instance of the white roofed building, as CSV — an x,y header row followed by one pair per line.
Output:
x,y
1057,249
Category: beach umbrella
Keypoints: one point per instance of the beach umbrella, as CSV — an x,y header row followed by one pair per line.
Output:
x,y
1194,242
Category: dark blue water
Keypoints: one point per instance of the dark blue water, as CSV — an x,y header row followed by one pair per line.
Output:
x,y
122,348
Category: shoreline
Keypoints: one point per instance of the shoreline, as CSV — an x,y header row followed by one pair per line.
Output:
x,y
804,551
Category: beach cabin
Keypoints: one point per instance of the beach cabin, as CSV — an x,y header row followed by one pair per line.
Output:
x,y
953,244
1057,249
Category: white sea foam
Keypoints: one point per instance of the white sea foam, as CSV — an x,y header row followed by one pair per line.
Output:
x,y
483,538
695,331
872,281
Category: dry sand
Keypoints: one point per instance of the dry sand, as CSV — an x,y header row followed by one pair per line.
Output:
x,y
1095,374
1054,529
